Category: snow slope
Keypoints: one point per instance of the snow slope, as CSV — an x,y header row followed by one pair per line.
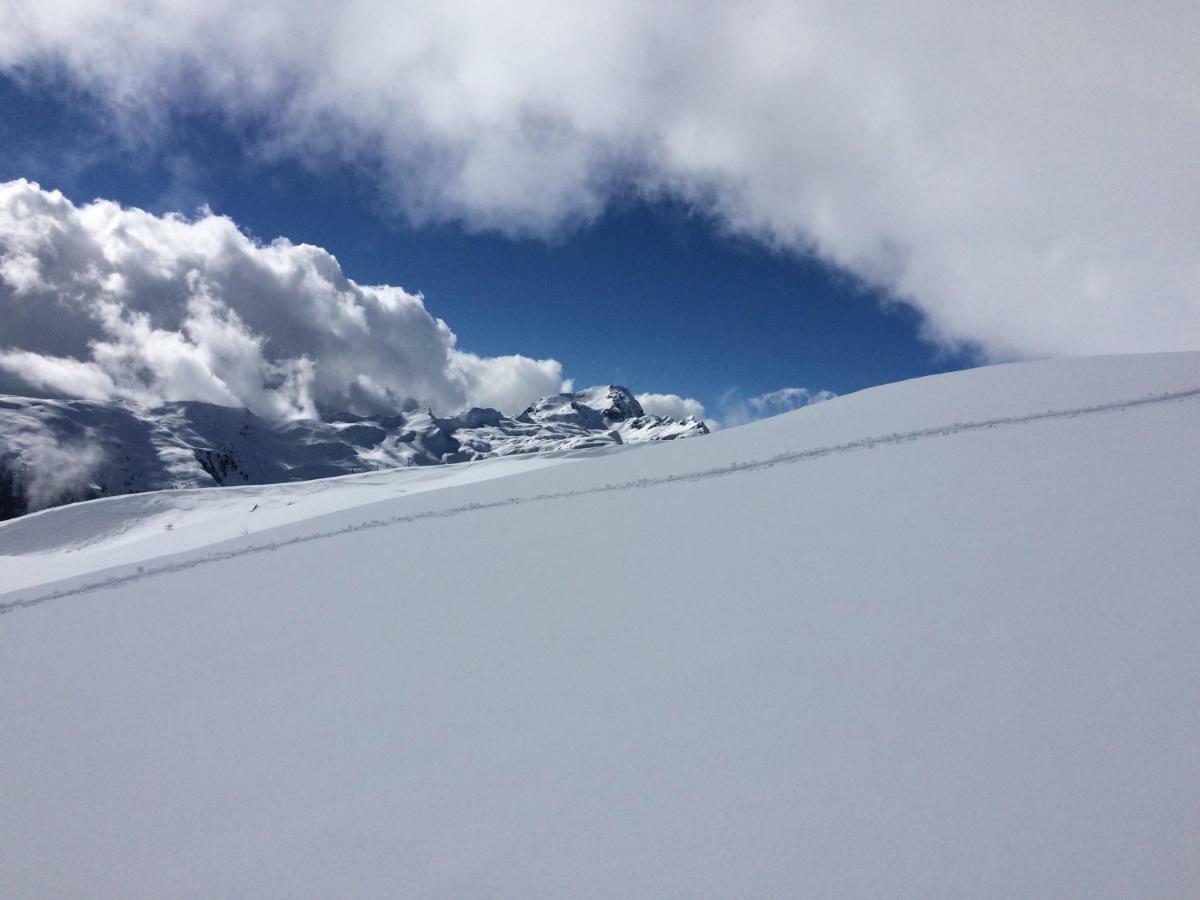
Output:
x,y
933,639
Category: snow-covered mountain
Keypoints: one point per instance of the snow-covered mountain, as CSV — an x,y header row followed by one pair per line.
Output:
x,y
60,451
934,639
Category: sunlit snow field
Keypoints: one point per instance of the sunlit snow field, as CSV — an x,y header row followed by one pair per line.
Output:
x,y
932,639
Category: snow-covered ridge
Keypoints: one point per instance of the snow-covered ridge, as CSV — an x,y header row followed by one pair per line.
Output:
x,y
59,451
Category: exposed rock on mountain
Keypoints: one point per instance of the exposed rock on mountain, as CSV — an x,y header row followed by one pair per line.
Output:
x,y
60,451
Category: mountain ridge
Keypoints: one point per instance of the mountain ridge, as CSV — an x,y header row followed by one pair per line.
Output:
x,y
56,451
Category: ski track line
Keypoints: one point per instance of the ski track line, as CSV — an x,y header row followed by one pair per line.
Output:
x,y
781,459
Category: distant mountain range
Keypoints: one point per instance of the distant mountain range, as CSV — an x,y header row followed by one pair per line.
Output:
x,y
60,451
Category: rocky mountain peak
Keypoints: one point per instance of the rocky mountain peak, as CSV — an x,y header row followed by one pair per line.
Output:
x,y
119,448
594,407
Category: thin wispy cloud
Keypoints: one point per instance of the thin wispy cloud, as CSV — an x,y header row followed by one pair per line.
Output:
x,y
738,409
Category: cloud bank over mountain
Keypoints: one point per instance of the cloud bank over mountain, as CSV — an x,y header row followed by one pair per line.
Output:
x,y
101,302
1024,177
671,405
734,407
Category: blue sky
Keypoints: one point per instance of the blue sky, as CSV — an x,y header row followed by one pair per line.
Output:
x,y
653,295
687,198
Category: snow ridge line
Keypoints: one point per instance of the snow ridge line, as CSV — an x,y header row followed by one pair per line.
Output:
x,y
787,458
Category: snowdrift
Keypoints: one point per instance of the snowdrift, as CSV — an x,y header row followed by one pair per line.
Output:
x,y
933,639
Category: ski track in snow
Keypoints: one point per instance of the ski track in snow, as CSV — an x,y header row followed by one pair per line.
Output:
x,y
781,459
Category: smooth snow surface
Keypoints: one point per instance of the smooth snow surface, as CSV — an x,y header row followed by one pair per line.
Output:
x,y
936,639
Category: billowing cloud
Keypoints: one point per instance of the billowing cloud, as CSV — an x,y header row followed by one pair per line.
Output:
x,y
671,405
43,469
737,409
1023,175
102,302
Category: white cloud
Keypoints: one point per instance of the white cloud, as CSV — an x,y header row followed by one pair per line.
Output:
x,y
506,382
1025,176
786,399
102,302
47,469
671,405
738,410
